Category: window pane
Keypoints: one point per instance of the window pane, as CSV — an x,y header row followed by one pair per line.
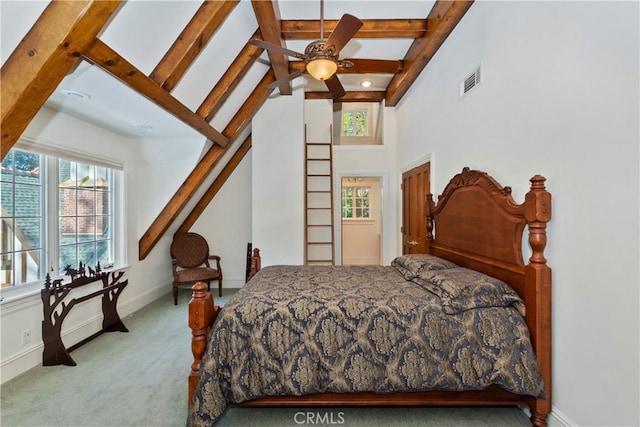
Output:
x,y
6,270
103,249
65,178
87,253
68,257
67,230
26,167
86,202
28,200
7,235
22,223
6,199
27,266
28,234
86,228
67,200
103,229
86,217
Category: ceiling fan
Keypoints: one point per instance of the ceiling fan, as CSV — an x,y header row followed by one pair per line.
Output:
x,y
321,56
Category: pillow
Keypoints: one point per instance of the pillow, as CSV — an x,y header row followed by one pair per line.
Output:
x,y
463,289
411,265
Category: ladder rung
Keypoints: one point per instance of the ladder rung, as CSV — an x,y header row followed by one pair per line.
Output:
x,y
319,260
315,209
319,174
318,159
318,191
319,225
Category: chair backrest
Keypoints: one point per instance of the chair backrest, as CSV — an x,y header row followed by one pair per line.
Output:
x,y
189,249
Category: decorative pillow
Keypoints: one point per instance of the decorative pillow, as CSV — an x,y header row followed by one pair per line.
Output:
x,y
463,289
410,266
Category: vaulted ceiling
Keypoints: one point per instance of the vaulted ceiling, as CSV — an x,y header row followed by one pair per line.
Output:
x,y
181,68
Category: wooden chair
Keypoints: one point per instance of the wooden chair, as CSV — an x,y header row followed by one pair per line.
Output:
x,y
190,260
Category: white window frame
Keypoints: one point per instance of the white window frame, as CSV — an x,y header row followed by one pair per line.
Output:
x,y
50,233
354,197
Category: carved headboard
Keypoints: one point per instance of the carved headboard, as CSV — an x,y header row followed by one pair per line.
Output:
x,y
478,225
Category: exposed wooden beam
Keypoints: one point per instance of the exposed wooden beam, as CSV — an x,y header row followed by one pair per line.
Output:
x,y
442,19
195,179
106,58
215,186
360,66
372,28
268,16
230,79
191,42
356,96
46,54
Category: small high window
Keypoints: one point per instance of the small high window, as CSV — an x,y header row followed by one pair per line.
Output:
x,y
357,123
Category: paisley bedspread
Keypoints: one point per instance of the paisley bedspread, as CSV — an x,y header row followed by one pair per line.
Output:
x,y
295,330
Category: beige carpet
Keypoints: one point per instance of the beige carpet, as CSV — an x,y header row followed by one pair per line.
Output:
x,y
140,378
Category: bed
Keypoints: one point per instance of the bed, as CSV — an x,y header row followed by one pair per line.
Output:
x,y
467,323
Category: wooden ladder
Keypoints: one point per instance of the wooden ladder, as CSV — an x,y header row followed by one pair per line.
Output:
x,y
318,202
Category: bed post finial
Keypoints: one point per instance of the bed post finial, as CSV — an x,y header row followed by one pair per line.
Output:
x,y
537,214
430,206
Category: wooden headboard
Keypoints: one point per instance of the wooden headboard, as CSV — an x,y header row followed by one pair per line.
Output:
x,y
477,224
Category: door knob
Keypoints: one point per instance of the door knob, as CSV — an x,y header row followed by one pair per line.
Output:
x,y
412,243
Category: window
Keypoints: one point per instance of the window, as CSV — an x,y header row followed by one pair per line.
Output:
x,y
56,214
357,123
22,200
355,202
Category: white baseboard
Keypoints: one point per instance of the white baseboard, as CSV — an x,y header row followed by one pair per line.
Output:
x,y
555,419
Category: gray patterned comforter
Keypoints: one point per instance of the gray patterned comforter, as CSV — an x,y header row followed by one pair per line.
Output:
x,y
295,330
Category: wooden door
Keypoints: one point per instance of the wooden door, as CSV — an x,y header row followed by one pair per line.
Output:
x,y
415,187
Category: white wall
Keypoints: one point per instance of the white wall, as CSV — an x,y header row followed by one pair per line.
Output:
x,y
278,180
559,97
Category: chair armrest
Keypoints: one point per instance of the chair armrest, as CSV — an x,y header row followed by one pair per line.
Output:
x,y
217,259
174,266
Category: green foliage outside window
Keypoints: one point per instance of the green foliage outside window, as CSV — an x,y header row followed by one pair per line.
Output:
x,y
354,123
355,202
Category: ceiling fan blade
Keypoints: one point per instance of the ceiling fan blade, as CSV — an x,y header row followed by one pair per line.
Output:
x,y
345,29
276,48
335,87
286,79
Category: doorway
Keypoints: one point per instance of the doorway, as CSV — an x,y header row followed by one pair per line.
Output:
x,y
416,184
361,220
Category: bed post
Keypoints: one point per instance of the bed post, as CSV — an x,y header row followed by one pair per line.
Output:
x,y
202,313
255,263
538,293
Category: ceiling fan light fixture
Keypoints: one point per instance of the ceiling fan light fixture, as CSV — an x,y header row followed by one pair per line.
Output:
x,y
322,68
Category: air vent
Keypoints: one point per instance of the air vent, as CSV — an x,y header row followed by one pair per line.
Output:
x,y
470,82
